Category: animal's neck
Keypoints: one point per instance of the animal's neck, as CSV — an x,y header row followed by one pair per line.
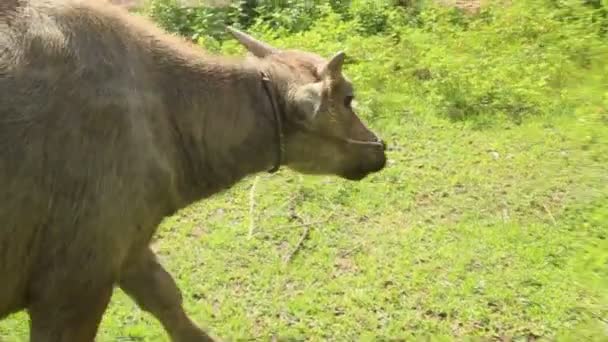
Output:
x,y
223,120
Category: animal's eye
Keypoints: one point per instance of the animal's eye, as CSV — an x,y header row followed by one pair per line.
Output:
x,y
348,100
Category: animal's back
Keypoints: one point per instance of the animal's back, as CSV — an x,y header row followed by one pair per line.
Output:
x,y
75,144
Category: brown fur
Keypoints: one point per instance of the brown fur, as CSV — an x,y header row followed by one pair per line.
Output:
x,y
108,125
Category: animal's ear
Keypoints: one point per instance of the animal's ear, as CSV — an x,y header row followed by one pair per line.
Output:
x,y
333,68
309,100
256,47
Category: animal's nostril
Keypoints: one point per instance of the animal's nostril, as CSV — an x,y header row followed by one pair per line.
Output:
x,y
378,140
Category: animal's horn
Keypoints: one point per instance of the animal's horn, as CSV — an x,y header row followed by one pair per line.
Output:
x,y
334,66
258,48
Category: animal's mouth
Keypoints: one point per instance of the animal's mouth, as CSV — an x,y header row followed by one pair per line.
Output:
x,y
372,154
370,164
365,169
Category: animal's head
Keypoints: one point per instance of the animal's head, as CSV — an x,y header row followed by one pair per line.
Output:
x,y
322,132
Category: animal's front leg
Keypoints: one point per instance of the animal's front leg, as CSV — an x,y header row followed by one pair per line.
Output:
x,y
67,309
155,291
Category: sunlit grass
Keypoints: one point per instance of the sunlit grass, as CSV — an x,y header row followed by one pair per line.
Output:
x,y
487,226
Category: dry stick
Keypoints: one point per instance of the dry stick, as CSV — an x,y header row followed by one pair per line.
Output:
x,y
291,254
287,203
304,224
280,208
307,224
303,237
351,250
252,206
252,217
550,215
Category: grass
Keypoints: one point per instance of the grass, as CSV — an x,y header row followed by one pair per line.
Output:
x,y
479,228
494,233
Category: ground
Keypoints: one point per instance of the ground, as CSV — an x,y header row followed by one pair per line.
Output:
x,y
496,233
490,220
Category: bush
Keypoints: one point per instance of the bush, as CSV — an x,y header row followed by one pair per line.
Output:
x,y
509,62
200,24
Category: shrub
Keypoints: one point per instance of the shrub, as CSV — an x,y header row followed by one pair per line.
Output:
x,y
509,62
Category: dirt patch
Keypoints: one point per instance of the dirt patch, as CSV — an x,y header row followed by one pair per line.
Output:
x,y
472,6
184,3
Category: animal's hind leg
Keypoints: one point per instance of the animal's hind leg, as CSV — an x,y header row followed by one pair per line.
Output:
x,y
71,314
155,291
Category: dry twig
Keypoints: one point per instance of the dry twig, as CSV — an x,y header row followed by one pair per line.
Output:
x,y
293,252
252,206
304,224
307,226
550,215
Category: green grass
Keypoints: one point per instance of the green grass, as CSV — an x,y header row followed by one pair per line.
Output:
x,y
490,221
467,233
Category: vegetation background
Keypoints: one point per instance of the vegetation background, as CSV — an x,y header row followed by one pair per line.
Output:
x,y
490,222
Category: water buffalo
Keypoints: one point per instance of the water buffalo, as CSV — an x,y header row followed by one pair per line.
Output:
x,y
108,124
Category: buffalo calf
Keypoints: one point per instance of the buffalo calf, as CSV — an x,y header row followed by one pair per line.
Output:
x,y
108,125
